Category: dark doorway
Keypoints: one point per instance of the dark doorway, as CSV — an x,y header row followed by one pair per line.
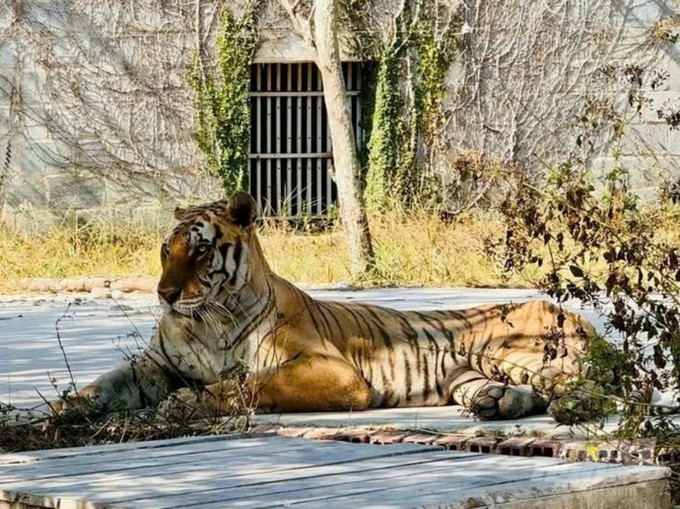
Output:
x,y
290,146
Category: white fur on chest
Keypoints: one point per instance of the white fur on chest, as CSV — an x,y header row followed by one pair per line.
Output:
x,y
193,350
206,355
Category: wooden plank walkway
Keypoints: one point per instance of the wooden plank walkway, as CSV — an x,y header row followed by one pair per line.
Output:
x,y
276,471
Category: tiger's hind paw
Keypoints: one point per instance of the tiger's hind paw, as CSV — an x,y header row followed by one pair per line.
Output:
x,y
499,401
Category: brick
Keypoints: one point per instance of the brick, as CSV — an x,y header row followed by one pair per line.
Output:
x,y
100,293
387,437
515,446
135,284
547,448
482,444
293,432
420,438
265,429
322,433
354,436
455,442
643,451
573,451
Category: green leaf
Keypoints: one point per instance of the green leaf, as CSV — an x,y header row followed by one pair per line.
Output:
x,y
576,271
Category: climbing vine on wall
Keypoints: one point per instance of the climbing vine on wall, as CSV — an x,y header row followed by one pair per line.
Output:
x,y
386,131
410,84
222,101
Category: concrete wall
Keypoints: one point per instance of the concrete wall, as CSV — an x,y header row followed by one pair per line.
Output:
x,y
525,76
651,148
96,111
95,108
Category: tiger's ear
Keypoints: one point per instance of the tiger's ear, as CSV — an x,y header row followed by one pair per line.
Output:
x,y
242,209
180,213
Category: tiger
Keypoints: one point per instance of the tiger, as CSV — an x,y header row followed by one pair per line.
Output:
x,y
226,316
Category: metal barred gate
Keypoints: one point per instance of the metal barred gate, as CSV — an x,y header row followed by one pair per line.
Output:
x,y
290,145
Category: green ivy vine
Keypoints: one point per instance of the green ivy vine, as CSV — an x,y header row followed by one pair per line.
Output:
x,y
404,130
222,99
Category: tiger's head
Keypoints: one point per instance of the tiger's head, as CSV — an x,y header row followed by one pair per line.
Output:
x,y
209,257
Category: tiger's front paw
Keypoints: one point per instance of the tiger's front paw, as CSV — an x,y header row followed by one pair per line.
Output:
x,y
202,403
75,408
182,404
499,401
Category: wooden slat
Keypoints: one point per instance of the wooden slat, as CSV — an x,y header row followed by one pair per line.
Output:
x,y
265,488
336,489
275,471
457,486
33,457
260,457
125,460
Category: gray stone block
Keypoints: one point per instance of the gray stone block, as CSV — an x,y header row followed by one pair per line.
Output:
x,y
645,139
674,141
39,133
25,191
121,191
659,100
667,62
43,157
647,173
643,13
75,192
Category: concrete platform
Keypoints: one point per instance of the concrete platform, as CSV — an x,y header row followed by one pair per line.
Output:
x,y
98,334
276,471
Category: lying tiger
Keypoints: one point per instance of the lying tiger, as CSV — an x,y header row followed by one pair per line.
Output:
x,y
224,308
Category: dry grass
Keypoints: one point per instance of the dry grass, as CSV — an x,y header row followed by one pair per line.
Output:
x,y
412,248
70,249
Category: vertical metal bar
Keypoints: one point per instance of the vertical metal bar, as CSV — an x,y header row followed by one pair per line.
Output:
x,y
329,142
277,126
269,140
289,177
258,139
319,141
298,140
349,77
308,100
360,140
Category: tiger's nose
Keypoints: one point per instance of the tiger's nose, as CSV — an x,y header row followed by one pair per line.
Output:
x,y
169,294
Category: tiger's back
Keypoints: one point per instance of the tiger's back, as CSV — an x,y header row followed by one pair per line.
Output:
x,y
414,358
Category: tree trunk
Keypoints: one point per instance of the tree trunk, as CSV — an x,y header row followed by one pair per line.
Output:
x,y
345,156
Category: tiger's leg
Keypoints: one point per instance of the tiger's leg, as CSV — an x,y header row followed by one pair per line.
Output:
x,y
136,384
489,399
306,384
